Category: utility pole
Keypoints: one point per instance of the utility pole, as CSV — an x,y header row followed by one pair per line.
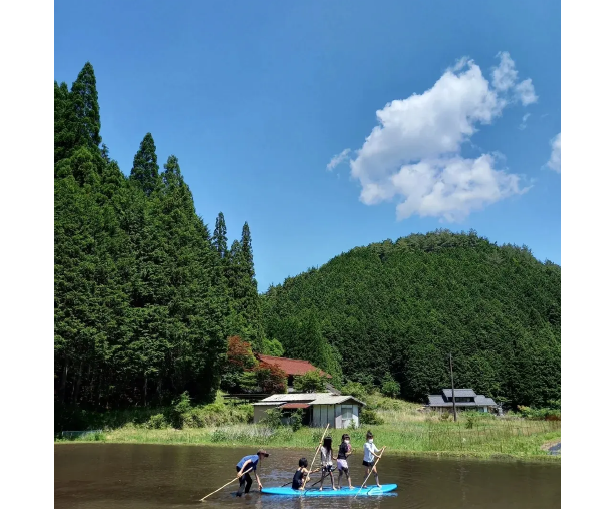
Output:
x,y
450,364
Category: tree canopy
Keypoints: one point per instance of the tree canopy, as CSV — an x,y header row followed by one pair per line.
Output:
x,y
143,299
392,311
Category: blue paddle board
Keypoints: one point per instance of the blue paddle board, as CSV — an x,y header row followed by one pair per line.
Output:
x,y
328,492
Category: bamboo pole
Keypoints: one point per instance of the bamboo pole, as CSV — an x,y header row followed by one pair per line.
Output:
x,y
231,481
316,454
370,471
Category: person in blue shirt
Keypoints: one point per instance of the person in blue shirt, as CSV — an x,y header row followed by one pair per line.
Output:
x,y
246,465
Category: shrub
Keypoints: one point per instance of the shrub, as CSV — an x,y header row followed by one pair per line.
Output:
x,y
470,420
273,418
296,420
179,406
369,416
390,388
540,414
354,389
157,421
312,381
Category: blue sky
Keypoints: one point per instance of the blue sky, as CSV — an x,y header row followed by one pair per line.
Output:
x,y
256,98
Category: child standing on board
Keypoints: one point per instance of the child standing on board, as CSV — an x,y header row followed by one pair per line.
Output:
x,y
369,453
301,473
249,463
326,462
344,451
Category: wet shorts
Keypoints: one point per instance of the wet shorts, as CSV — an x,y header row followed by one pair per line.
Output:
x,y
369,464
342,465
327,468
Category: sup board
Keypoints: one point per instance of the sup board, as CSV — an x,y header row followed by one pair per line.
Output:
x,y
328,492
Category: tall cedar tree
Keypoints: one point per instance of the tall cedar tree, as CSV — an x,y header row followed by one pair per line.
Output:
x,y
220,239
145,165
87,115
139,314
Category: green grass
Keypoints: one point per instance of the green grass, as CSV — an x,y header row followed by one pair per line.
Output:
x,y
406,430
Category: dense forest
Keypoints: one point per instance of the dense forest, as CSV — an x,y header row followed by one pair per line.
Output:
x,y
398,308
147,297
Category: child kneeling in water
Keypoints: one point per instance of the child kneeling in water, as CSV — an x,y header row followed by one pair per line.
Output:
x,y
301,473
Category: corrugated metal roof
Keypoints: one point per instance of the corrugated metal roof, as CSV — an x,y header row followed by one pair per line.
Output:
x,y
459,393
270,403
315,398
331,399
296,396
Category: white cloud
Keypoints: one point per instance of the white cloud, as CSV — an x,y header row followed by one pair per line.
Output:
x,y
414,153
338,159
524,92
524,121
504,78
555,163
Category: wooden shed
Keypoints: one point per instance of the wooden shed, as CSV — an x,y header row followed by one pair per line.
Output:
x,y
320,408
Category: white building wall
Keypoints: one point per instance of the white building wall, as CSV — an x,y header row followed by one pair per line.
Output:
x,y
338,416
323,415
355,415
260,411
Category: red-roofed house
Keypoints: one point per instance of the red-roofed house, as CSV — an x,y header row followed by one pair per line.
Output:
x,y
292,367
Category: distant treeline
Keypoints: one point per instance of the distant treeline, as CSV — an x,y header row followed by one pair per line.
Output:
x,y
400,307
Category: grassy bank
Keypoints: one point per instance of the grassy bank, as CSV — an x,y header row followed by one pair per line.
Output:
x,y
404,430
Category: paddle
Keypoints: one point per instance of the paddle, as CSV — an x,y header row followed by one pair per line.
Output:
x,y
316,453
370,471
322,478
231,481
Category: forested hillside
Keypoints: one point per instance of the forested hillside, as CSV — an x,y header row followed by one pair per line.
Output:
x,y
399,307
145,295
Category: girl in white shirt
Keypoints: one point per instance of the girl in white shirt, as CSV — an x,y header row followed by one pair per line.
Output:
x,y
370,451
326,462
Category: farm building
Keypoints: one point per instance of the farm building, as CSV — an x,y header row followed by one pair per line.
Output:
x,y
319,408
465,399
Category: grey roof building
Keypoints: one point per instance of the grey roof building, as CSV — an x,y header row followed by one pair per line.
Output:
x,y
320,408
465,399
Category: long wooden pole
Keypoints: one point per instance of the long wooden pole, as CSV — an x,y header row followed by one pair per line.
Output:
x,y
316,454
450,363
370,471
231,481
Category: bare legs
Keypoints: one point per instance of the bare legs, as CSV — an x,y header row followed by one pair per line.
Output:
x,y
322,480
375,475
339,481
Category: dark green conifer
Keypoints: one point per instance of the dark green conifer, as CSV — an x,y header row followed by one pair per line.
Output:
x,y
145,165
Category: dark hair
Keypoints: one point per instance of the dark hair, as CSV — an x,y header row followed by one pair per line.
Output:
x,y
345,436
303,463
369,435
327,443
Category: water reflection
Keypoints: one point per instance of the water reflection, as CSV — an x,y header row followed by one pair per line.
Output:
x,y
139,476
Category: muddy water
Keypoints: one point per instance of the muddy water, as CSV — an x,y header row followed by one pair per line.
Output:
x,y
172,476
